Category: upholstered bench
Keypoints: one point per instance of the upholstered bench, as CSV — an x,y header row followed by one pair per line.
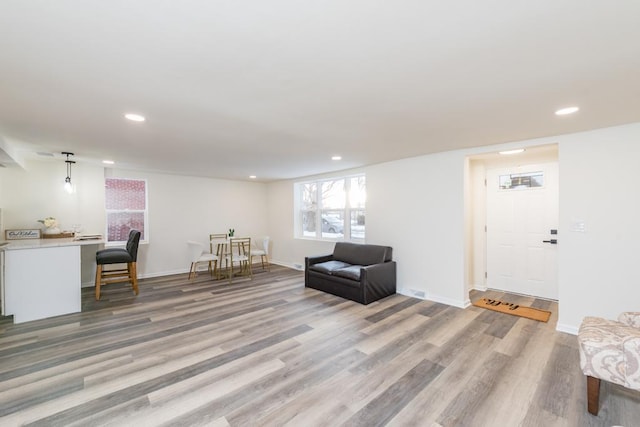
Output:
x,y
609,351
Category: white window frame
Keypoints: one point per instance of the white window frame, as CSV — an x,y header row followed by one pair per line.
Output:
x,y
318,209
145,212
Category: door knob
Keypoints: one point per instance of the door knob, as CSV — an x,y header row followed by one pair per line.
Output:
x,y
552,241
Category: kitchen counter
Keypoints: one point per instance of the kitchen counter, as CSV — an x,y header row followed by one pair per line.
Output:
x,y
47,243
42,277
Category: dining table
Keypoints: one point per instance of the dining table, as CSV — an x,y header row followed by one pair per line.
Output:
x,y
222,247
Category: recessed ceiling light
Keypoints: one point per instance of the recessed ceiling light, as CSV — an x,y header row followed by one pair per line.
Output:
x,y
108,162
516,151
252,176
134,117
336,158
565,111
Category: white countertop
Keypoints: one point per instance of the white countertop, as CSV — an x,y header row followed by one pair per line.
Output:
x,y
48,243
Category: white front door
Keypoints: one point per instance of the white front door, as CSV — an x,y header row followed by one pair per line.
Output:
x,y
522,216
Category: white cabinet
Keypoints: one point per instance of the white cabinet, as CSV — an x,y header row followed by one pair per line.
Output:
x,y
41,278
41,282
2,309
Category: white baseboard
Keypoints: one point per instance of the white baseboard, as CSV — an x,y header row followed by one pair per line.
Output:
x,y
148,275
411,293
449,301
166,273
569,329
292,265
435,298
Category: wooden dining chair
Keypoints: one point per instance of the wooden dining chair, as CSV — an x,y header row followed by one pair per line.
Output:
x,y
213,238
240,254
219,246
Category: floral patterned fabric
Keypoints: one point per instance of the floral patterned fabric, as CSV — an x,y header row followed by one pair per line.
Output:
x,y
610,350
630,318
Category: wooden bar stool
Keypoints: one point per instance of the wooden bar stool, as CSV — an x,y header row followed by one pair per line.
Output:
x,y
127,256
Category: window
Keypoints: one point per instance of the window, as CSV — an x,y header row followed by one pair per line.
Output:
x,y
521,180
126,206
332,209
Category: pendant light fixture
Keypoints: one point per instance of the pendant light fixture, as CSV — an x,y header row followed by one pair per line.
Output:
x,y
67,181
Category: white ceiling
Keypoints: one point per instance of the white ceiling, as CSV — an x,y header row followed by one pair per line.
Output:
x,y
275,88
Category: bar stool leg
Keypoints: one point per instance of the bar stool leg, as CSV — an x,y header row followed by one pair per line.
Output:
x,y
98,278
133,274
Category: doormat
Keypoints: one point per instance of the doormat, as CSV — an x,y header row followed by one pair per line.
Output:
x,y
514,309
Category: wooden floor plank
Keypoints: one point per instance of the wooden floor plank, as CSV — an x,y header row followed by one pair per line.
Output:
x,y
386,405
270,352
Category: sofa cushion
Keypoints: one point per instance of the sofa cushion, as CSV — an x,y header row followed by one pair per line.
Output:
x,y
352,272
361,254
329,266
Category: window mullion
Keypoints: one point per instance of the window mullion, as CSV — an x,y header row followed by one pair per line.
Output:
x,y
347,216
318,210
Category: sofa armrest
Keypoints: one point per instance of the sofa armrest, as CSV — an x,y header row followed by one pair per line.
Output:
x,y
384,271
378,280
311,260
631,318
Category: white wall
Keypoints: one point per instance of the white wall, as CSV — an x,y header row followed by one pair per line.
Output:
x,y
37,192
417,206
598,269
27,195
181,208
287,250
185,208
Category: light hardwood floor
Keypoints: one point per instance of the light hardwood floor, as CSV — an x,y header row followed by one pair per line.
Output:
x,y
270,352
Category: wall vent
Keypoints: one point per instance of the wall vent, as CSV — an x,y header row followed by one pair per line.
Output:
x,y
418,294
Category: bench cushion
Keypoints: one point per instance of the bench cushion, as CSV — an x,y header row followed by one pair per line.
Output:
x,y
113,256
610,350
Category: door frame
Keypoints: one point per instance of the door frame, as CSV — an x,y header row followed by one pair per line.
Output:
x,y
475,215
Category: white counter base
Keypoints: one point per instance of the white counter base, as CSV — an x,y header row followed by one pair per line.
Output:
x,y
44,282
42,278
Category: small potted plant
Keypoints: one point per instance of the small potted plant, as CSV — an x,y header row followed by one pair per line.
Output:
x,y
50,224
231,232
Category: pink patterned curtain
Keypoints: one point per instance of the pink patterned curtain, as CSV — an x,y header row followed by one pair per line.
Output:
x,y
126,204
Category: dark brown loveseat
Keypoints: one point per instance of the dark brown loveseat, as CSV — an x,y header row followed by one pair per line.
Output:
x,y
361,273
